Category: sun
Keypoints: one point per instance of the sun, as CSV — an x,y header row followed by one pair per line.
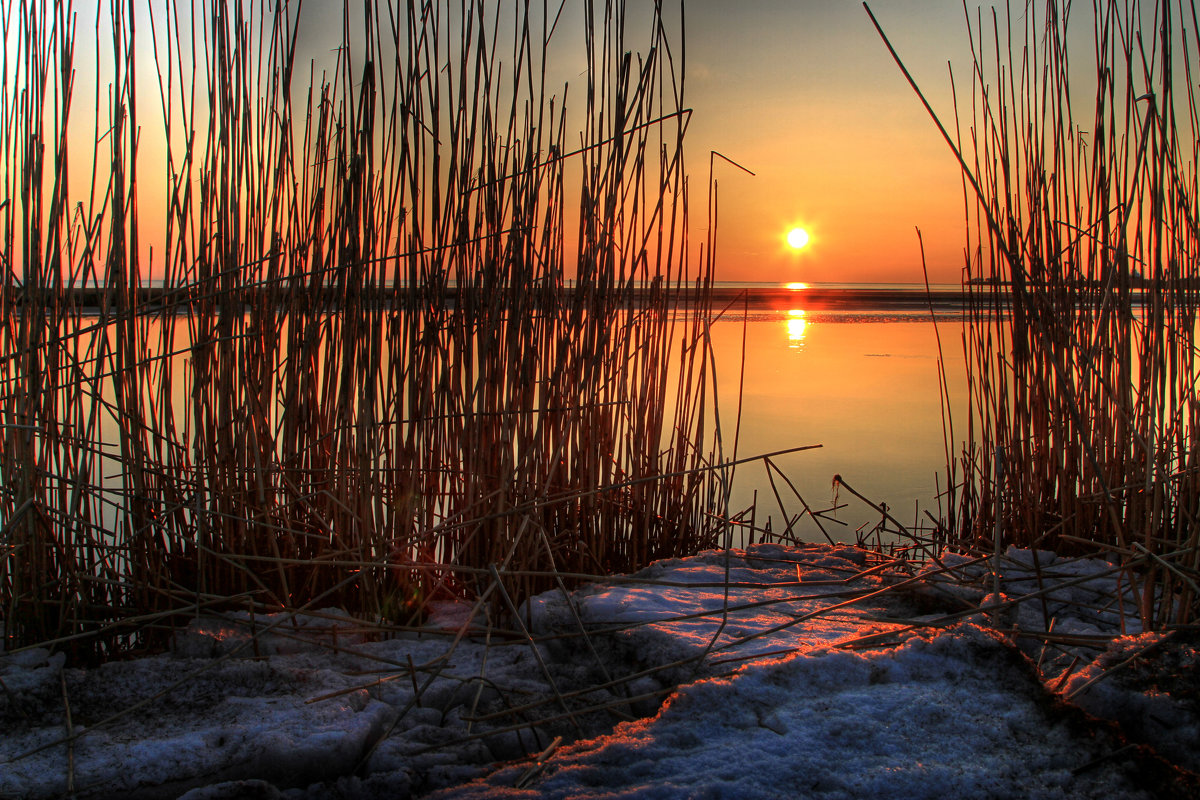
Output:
x,y
797,238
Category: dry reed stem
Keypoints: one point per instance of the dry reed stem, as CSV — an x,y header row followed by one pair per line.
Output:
x,y
1109,671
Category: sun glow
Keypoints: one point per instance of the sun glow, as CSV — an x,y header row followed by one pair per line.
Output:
x,y
797,238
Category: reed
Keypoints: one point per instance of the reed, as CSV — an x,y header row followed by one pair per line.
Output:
x,y
1081,263
380,334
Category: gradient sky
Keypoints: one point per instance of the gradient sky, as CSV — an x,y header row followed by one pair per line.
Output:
x,y
806,95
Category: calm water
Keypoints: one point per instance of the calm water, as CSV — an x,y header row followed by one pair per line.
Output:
x,y
858,378
861,382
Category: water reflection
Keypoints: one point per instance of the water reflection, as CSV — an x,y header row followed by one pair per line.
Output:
x,y
864,386
797,326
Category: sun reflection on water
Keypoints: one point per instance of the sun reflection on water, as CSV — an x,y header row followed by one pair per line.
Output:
x,y
797,325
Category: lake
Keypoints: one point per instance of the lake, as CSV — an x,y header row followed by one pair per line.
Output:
x,y
859,379
851,368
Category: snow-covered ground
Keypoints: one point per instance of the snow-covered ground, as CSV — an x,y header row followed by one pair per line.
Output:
x,y
786,672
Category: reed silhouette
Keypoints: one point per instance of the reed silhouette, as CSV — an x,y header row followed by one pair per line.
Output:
x,y
1080,341
386,332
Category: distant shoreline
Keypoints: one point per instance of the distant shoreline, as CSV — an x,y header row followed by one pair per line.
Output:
x,y
836,298
724,296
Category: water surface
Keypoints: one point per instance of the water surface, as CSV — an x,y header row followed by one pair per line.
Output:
x,y
863,383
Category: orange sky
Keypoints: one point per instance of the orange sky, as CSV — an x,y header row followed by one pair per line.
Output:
x,y
804,93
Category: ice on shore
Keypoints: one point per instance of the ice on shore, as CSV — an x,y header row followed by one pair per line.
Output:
x,y
787,671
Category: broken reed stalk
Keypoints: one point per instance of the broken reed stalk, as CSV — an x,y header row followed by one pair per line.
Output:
x,y
355,357
1084,286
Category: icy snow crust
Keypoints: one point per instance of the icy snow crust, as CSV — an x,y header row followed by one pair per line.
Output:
x,y
787,672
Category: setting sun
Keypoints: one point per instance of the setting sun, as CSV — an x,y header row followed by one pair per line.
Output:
x,y
797,238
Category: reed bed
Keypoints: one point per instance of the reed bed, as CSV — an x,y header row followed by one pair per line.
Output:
x,y
381,335
1079,156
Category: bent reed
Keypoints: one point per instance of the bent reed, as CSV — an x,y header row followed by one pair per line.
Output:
x,y
372,339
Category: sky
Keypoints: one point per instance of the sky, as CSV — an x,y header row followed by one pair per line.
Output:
x,y
806,96
802,93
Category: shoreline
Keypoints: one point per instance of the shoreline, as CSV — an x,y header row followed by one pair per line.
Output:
x,y
727,297
149,299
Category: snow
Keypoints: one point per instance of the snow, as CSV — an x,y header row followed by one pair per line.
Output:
x,y
928,720
817,671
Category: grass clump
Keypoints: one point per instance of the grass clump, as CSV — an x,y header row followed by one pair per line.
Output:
x,y
1081,261
372,338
